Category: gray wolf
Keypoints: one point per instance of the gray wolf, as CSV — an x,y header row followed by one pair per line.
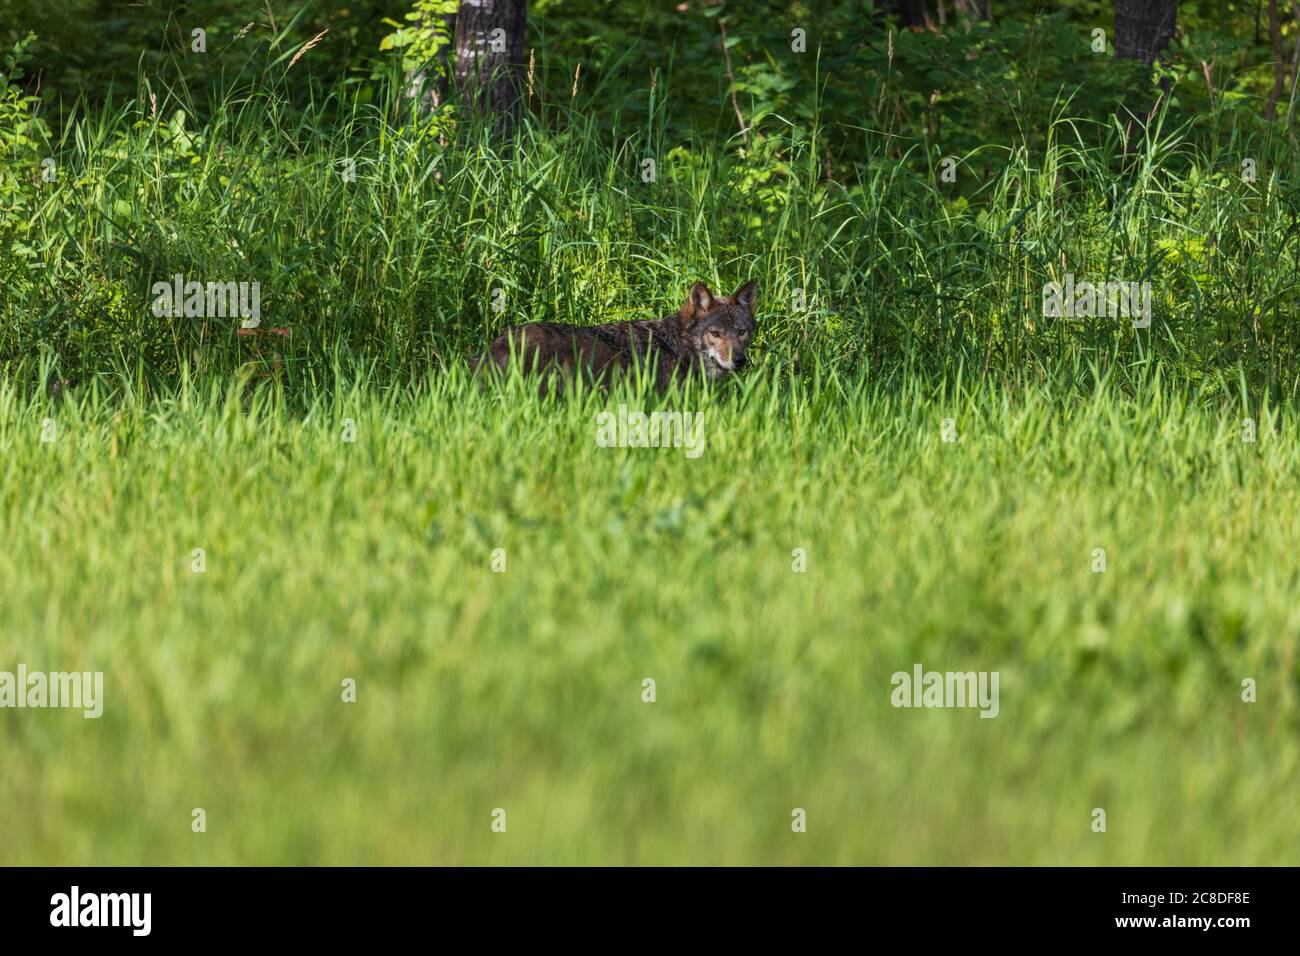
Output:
x,y
708,333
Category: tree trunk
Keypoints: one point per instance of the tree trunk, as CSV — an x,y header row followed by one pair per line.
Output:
x,y
1143,28
913,13
1279,61
490,57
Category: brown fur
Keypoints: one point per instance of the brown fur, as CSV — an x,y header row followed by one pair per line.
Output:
x,y
709,333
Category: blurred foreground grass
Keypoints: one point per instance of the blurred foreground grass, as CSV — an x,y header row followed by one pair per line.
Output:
x,y
521,690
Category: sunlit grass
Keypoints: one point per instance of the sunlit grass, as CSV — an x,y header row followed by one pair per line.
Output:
x,y
398,247
522,690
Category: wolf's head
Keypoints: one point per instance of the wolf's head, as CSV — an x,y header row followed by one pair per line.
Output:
x,y
718,328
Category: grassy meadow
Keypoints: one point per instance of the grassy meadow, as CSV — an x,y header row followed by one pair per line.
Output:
x,y
521,689
351,489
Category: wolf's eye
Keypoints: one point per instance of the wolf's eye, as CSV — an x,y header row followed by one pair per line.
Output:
x,y
743,332
715,333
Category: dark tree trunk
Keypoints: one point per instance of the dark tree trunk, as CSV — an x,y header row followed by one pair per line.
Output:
x,y
912,13
1143,28
1279,61
490,64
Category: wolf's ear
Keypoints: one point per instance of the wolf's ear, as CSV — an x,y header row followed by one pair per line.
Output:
x,y
699,301
745,297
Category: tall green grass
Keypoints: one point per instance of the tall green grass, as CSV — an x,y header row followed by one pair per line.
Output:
x,y
522,690
328,559
446,235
